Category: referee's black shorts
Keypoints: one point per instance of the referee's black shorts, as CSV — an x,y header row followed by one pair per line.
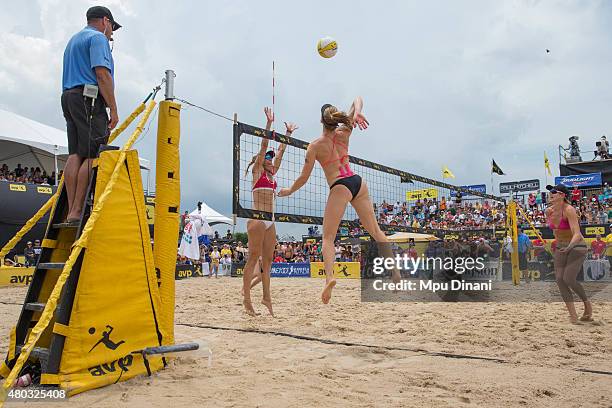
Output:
x,y
523,262
85,134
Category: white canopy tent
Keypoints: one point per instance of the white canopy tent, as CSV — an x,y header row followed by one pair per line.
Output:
x,y
211,216
30,143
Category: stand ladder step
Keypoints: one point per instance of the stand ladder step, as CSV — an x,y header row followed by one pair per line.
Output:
x,y
34,307
37,352
66,225
51,265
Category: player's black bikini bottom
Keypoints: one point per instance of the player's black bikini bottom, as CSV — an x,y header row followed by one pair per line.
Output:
x,y
353,183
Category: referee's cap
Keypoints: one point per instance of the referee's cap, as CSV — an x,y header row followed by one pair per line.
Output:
x,y
101,11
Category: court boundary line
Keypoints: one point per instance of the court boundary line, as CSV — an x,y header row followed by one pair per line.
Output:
x,y
346,343
420,351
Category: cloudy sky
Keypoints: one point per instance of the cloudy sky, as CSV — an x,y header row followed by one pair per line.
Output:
x,y
444,83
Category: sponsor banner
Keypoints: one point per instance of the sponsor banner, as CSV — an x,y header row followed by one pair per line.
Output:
x,y
17,187
290,270
44,190
490,271
421,194
15,276
184,271
342,270
595,230
537,271
597,270
349,241
525,185
479,188
238,268
580,180
279,270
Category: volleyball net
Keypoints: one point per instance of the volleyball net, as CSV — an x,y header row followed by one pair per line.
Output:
x,y
307,205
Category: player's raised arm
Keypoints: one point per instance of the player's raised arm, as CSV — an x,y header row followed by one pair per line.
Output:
x,y
309,163
356,115
278,159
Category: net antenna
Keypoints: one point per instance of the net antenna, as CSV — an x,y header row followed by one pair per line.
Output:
x,y
273,138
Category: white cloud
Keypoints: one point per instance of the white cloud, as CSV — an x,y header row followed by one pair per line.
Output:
x,y
452,83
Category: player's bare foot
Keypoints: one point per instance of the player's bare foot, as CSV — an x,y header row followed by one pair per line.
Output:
x,y
327,292
574,320
268,304
396,276
248,308
587,316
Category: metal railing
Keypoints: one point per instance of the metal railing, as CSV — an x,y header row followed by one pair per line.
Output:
x,y
583,155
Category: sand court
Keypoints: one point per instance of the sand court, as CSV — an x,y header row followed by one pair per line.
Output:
x,y
395,364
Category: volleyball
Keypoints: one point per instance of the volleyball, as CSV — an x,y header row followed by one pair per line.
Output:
x,y
327,47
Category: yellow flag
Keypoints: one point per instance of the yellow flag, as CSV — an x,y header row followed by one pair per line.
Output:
x,y
547,164
446,173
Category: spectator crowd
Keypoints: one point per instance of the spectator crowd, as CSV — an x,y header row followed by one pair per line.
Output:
x,y
222,254
31,175
458,214
443,214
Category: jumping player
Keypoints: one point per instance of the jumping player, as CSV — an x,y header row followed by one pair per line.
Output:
x,y
331,151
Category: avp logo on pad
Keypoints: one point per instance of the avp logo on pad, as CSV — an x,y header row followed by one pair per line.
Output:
x,y
106,340
122,364
21,279
105,369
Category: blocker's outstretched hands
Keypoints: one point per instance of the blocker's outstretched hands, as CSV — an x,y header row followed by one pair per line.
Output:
x,y
291,127
284,192
361,121
269,114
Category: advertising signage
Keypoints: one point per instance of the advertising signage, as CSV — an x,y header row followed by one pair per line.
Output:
x,y
525,185
580,180
479,188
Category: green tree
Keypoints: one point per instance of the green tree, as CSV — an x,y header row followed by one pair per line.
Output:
x,y
242,237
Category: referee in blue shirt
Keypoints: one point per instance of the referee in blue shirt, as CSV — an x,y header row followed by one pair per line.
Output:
x,y
524,245
87,61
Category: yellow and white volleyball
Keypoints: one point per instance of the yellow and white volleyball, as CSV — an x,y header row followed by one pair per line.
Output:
x,y
327,47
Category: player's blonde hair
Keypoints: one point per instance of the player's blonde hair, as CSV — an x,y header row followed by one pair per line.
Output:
x,y
332,117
